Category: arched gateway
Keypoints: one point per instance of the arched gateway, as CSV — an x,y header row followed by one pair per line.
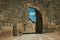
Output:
x,y
39,22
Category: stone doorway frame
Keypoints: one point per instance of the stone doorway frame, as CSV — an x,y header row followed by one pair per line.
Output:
x,y
37,9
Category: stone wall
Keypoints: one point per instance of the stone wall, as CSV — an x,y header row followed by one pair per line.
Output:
x,y
13,10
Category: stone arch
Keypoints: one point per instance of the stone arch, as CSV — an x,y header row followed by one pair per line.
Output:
x,y
39,24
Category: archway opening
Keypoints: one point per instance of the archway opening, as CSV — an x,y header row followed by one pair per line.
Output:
x,y
35,20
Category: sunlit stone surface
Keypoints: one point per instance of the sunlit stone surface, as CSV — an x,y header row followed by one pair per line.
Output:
x,y
34,37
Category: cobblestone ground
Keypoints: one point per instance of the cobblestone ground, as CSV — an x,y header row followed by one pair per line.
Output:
x,y
34,37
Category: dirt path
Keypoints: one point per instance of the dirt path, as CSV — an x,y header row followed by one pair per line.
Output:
x,y
34,37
